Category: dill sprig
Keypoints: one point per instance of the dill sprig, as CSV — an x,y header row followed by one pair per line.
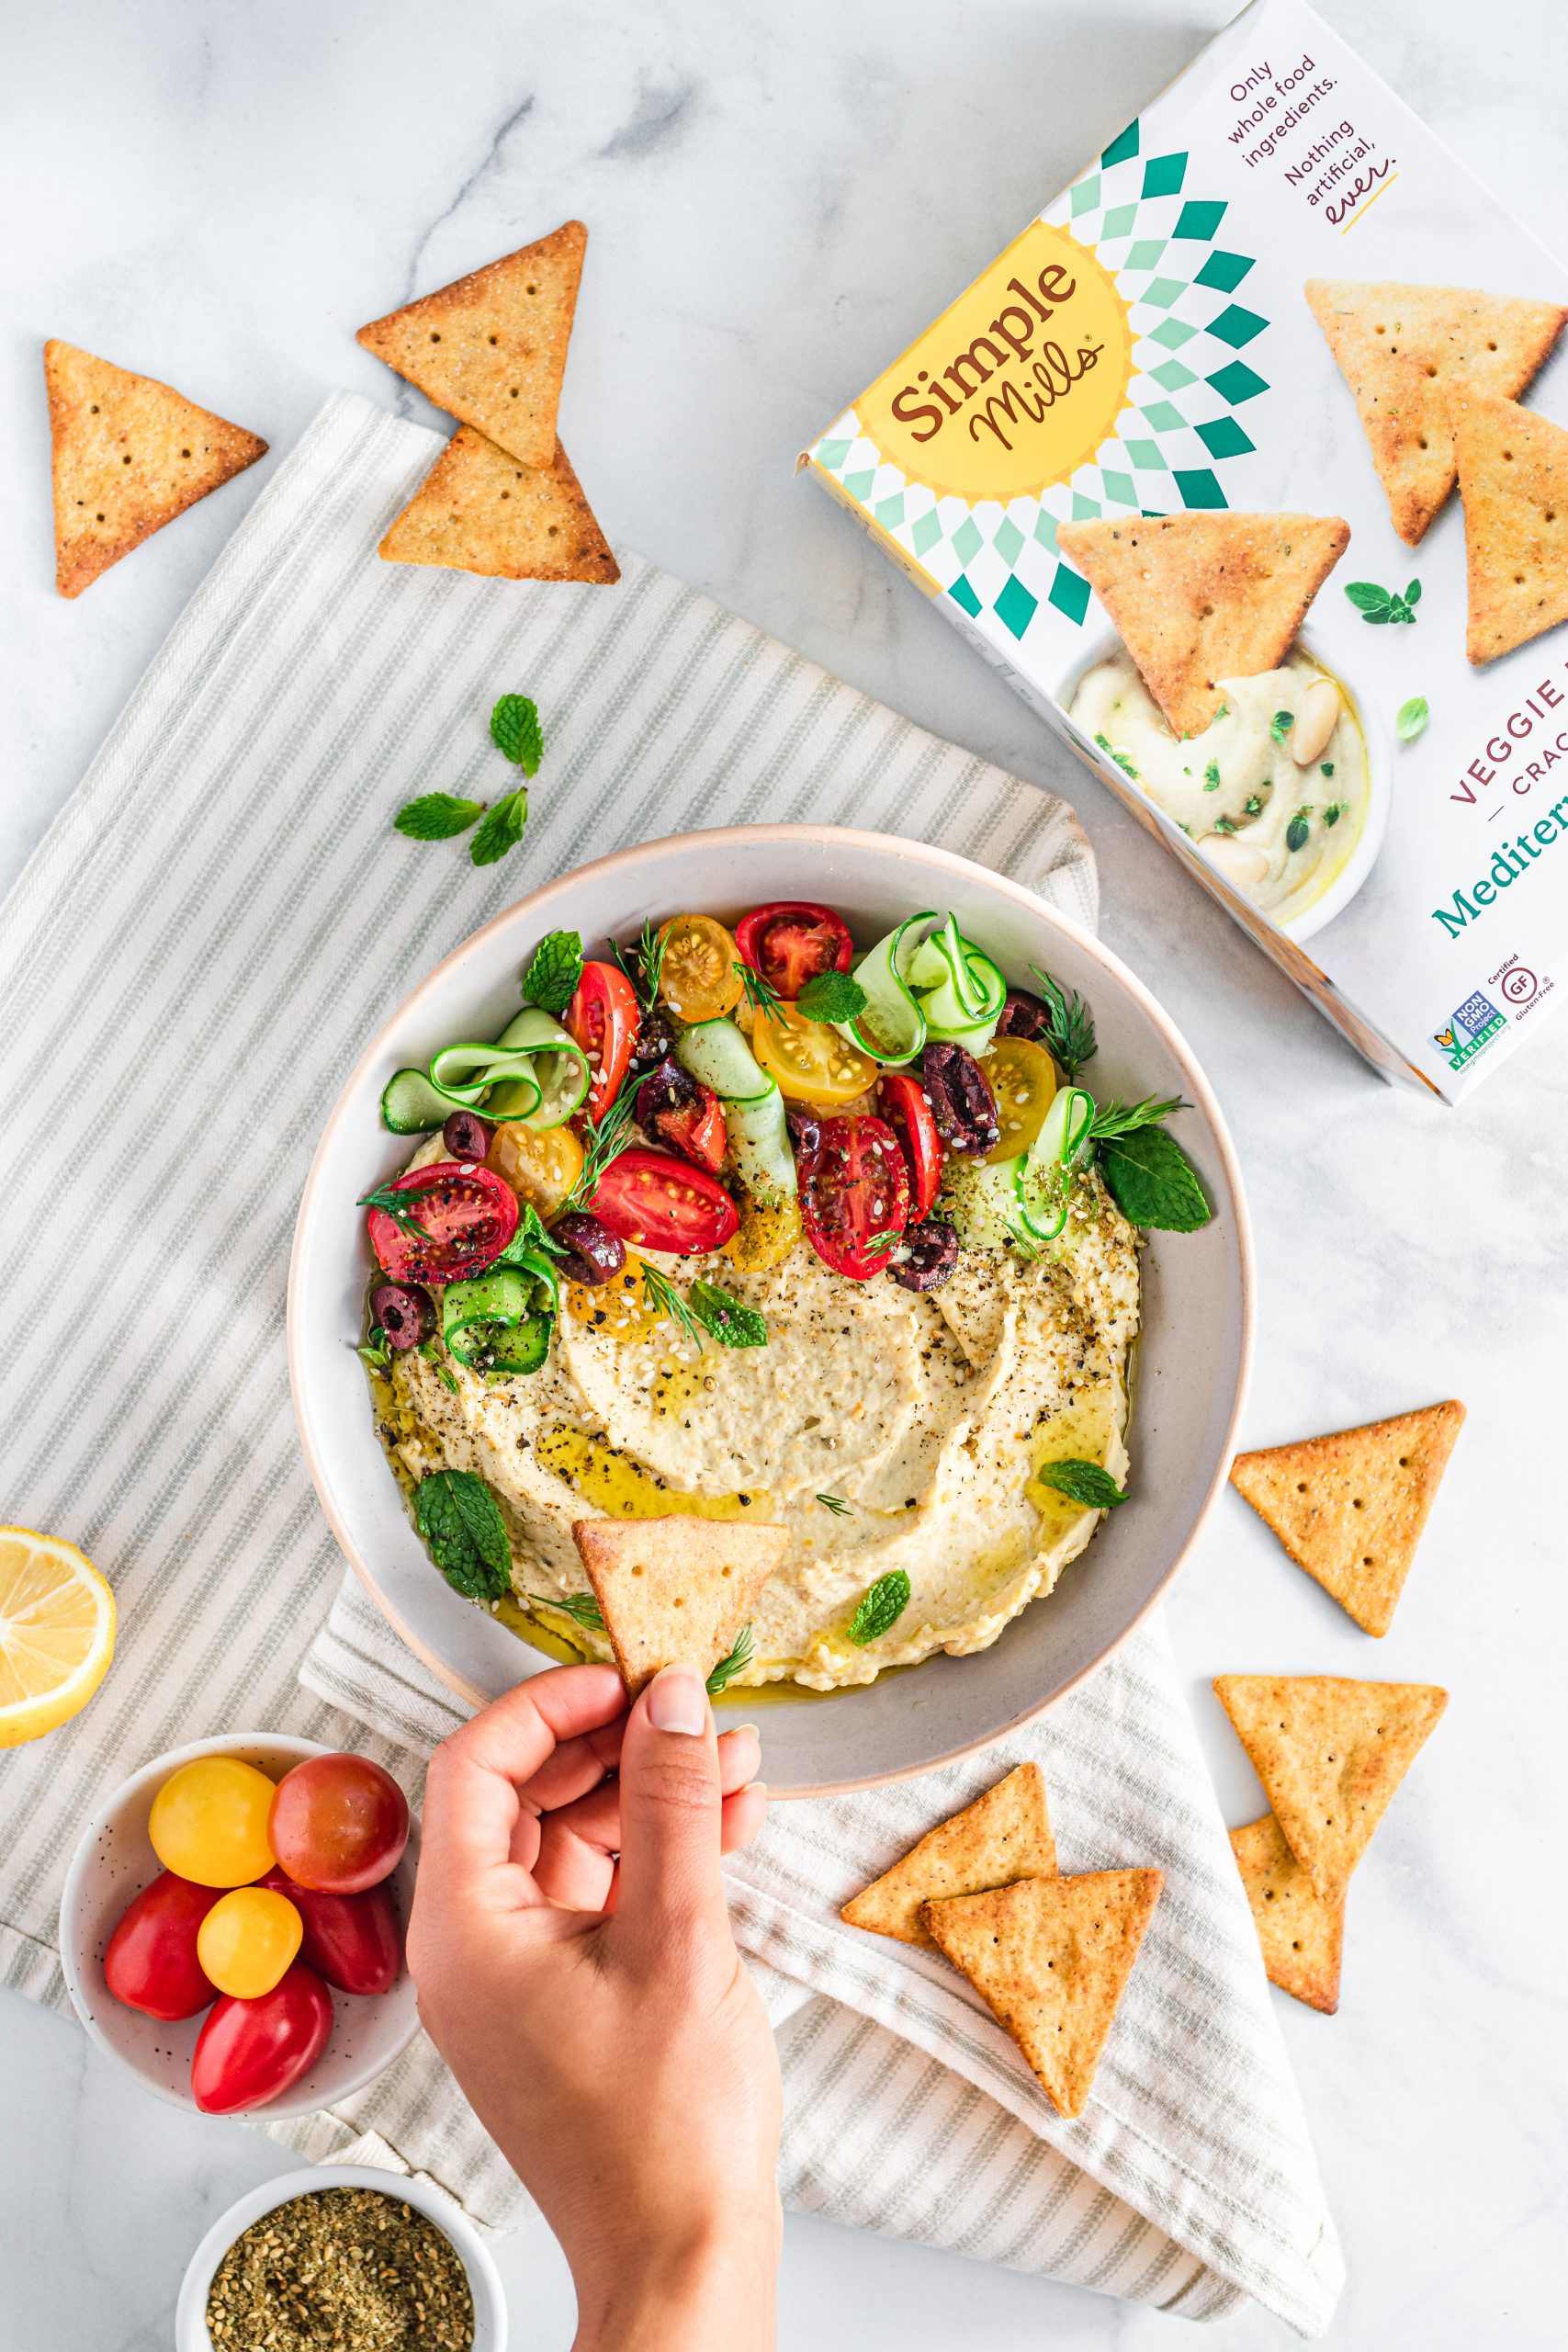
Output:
x,y
1125,1118
583,1609
836,1504
664,1295
738,1659
1069,1025
761,994
396,1204
647,957
602,1144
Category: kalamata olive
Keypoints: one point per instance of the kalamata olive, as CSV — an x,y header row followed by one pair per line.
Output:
x,y
665,1088
806,1132
962,1102
405,1314
926,1256
1023,1016
466,1136
654,1038
593,1254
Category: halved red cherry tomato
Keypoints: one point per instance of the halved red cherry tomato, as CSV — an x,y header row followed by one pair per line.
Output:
x,y
354,1940
604,1018
854,1195
791,940
695,1129
249,2052
457,1218
907,1111
339,1823
657,1202
150,1963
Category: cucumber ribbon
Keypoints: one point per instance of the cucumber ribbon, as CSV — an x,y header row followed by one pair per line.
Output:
x,y
961,991
718,1056
1042,1176
891,1028
534,1071
499,1322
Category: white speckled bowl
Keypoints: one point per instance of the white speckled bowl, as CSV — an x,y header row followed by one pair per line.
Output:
x,y
115,1861
1198,1314
484,2279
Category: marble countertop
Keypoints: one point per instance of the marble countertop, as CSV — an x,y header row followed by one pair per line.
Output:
x,y
219,195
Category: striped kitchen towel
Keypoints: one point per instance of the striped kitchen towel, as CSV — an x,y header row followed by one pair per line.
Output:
x,y
188,969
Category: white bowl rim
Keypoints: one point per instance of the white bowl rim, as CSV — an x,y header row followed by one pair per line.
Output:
x,y
536,903
417,2190
160,1767
1380,786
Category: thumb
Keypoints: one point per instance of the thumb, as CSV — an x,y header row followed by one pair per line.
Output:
x,y
671,1809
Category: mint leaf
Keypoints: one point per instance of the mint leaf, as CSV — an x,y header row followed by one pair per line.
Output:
x,y
460,1520
514,731
831,996
1153,1182
501,830
1082,1482
738,1659
1211,776
1280,724
436,816
732,1321
1296,831
1413,593
1369,599
880,1608
1412,719
554,971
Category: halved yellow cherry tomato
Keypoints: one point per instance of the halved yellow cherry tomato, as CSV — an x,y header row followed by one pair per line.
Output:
x,y
1022,1077
811,1062
768,1233
699,976
541,1164
248,1940
621,1308
209,1822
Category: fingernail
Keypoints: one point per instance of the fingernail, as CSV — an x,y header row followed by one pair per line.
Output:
x,y
758,1789
678,1701
731,1730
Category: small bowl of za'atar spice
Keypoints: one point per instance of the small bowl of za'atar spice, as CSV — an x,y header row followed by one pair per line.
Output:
x,y
342,2258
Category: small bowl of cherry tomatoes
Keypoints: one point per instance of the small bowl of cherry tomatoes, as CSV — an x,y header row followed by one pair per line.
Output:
x,y
233,1924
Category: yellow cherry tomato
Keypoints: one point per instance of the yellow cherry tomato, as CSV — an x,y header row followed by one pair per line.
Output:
x,y
541,1164
811,1062
620,1308
699,973
767,1234
1022,1077
248,1940
209,1822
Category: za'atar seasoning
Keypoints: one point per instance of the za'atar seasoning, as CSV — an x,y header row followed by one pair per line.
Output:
x,y
341,2271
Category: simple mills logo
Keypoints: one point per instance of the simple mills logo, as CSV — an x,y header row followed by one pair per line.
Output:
x,y
1470,1030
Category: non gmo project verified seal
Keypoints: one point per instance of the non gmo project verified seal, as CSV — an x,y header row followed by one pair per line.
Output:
x,y
1470,1030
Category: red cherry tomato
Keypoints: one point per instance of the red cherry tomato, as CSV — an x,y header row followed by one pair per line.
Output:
x,y
791,940
604,1018
249,2052
458,1218
339,1823
696,1129
657,1202
354,1940
854,1190
150,1963
904,1106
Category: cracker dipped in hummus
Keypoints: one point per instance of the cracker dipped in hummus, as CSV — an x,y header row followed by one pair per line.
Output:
x,y
761,1227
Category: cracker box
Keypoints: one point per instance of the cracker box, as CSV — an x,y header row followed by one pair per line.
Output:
x,y
1182,463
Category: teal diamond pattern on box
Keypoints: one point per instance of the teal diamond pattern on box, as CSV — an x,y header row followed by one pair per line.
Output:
x,y
1009,539
1015,607
1236,326
1200,488
1069,593
1163,175
1237,383
1222,437
1224,272
998,559
1199,220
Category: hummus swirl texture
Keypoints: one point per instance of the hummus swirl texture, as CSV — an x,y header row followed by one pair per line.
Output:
x,y
926,1417
1280,831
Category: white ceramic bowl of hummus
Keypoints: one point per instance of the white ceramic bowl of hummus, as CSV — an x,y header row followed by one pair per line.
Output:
x,y
1192,1354
1295,839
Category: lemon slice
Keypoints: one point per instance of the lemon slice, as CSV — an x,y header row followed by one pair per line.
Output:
x,y
56,1633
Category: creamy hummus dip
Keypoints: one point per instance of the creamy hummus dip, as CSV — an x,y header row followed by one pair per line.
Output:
x,y
1278,830
923,1418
